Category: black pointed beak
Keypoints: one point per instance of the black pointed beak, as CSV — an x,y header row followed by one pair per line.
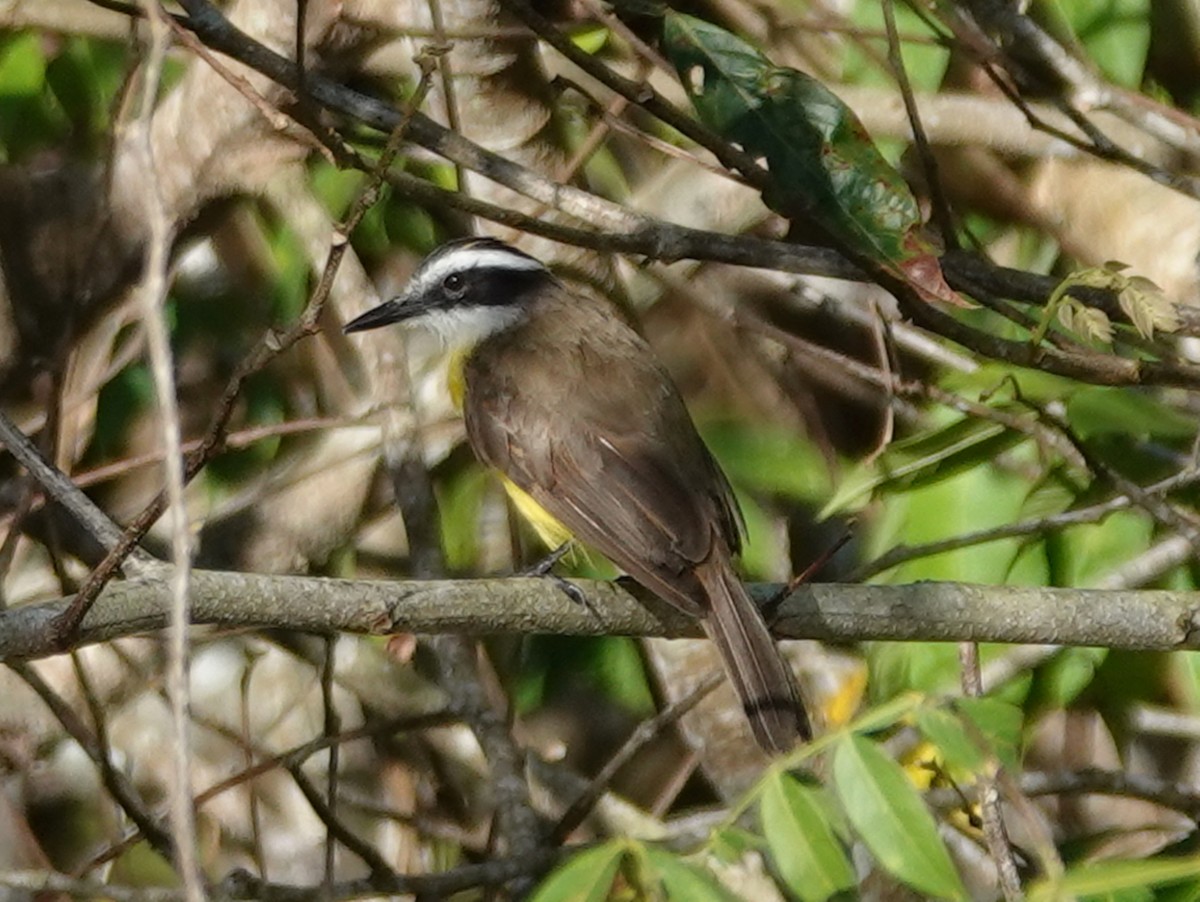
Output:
x,y
385,314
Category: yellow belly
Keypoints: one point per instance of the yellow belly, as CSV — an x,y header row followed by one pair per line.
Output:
x,y
551,532
548,529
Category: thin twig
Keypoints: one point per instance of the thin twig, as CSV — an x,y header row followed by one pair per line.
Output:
x,y
1093,513
641,94
257,852
116,783
380,868
152,293
240,885
332,727
1182,797
294,757
995,834
645,732
58,485
941,203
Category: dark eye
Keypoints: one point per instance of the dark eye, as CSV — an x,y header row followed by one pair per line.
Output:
x,y
454,285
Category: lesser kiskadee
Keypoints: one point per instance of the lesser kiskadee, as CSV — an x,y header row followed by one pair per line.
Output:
x,y
593,439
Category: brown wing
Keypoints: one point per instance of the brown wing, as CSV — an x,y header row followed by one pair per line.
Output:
x,y
574,409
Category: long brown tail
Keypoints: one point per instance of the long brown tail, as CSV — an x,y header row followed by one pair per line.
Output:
x,y
761,677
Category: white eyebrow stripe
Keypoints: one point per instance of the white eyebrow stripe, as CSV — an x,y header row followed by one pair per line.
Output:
x,y
462,259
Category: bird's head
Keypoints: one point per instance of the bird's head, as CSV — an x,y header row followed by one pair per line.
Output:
x,y
465,291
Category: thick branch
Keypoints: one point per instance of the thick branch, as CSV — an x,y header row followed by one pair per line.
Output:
x,y
941,612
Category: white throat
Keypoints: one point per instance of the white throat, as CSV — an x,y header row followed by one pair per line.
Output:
x,y
461,328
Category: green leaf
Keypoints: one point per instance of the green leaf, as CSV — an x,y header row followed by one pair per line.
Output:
x,y
1068,673
1116,34
882,716
1185,666
822,163
923,459
960,750
888,814
22,65
618,667
337,188
590,38
925,62
1100,879
802,841
459,502
981,497
586,877
1085,553
895,667
681,880
1097,411
728,844
766,458
764,552
1185,891
999,722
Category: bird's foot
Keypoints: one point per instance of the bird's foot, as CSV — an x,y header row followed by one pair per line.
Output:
x,y
544,568
546,564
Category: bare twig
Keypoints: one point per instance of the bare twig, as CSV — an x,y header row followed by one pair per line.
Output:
x,y
332,727
152,293
941,203
645,732
995,834
1093,513
1182,797
240,885
294,757
380,869
116,783
1037,61
59,486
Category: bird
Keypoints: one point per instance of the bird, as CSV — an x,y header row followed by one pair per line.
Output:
x,y
593,442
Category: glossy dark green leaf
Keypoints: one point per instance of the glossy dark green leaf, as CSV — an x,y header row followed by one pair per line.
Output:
x,y
886,811
822,162
804,848
586,877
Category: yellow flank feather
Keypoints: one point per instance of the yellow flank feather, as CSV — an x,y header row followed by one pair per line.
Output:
x,y
456,381
548,529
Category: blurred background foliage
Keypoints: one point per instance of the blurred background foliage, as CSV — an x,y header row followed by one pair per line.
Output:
x,y
810,451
